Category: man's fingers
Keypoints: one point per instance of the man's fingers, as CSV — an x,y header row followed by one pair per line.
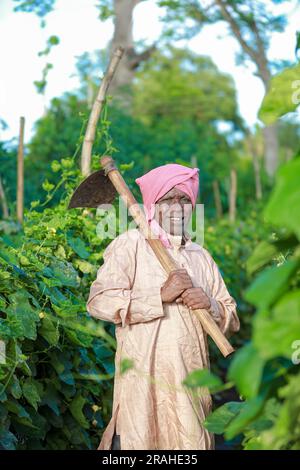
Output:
x,y
182,277
186,294
178,271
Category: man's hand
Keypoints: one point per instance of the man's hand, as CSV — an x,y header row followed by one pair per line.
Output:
x,y
177,282
194,298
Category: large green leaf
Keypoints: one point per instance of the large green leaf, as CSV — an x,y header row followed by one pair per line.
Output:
x,y
79,247
8,440
262,254
21,316
271,284
246,370
218,421
76,408
31,391
275,331
203,378
283,208
49,330
51,398
64,272
246,415
282,97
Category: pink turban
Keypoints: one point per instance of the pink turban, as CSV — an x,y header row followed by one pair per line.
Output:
x,y
157,182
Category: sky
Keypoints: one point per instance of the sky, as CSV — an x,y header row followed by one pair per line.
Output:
x,y
76,24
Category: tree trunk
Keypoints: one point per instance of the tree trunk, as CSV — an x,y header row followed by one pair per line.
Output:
x,y
257,53
120,87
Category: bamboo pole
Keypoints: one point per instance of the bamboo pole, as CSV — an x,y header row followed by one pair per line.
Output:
x,y
86,153
252,148
4,202
20,172
217,197
232,195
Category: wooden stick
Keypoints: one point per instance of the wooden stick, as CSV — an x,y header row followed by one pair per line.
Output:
x,y
217,197
86,153
3,199
160,251
254,151
232,195
20,172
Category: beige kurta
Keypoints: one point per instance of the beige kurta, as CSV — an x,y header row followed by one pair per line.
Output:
x,y
151,407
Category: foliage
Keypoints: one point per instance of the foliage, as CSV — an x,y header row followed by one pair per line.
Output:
x,y
283,96
55,391
266,369
251,23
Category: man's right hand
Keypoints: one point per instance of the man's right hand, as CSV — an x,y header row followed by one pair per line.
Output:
x,y
177,282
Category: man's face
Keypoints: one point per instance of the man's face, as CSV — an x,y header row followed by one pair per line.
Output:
x,y
173,211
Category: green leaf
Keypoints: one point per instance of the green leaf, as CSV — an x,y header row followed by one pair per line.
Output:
x,y
51,398
47,186
84,266
275,331
15,388
262,254
282,96
65,273
55,166
53,40
22,317
8,440
127,166
218,421
283,208
31,391
79,247
126,364
203,378
49,330
246,370
271,284
14,407
247,414
76,408
9,256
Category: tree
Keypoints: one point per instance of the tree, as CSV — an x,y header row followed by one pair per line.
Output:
x,y
122,13
252,24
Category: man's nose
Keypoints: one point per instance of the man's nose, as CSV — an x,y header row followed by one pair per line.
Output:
x,y
179,200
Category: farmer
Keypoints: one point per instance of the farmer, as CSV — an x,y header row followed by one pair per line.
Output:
x,y
155,325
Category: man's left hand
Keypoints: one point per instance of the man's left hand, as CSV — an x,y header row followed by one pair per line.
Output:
x,y
194,298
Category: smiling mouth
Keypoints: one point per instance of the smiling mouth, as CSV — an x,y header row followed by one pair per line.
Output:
x,y
177,219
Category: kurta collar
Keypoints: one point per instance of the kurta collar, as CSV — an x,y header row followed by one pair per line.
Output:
x,y
189,244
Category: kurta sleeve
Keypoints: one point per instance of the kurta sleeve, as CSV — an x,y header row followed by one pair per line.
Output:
x,y
223,306
113,296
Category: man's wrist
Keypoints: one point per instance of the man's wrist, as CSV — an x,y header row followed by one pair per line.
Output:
x,y
210,304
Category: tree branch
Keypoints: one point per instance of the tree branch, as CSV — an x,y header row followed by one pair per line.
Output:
x,y
236,31
135,59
